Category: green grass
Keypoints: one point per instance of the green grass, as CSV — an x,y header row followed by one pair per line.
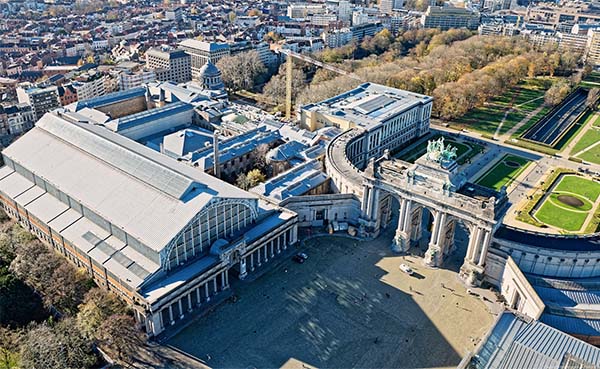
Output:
x,y
560,218
590,137
574,130
501,174
565,217
536,118
485,119
592,155
579,185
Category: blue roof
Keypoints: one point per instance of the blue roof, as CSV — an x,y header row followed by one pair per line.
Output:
x,y
549,241
146,116
572,325
111,98
516,343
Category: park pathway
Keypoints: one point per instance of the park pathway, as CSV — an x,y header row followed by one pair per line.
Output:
x,y
524,121
590,216
507,135
587,149
575,140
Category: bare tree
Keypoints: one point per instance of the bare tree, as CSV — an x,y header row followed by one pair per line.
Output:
x,y
240,72
119,334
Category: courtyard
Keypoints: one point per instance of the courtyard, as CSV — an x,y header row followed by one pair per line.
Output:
x,y
348,305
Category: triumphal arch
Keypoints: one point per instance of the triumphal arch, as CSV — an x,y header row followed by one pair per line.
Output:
x,y
434,183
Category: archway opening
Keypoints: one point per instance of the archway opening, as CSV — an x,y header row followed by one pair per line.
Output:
x,y
458,244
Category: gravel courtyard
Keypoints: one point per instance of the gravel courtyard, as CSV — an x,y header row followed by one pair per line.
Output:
x,y
348,305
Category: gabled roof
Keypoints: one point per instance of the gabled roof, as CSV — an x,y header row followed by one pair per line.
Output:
x,y
148,195
517,343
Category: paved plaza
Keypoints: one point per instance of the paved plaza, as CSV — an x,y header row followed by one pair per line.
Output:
x,y
348,305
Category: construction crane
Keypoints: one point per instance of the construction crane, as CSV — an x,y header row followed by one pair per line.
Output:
x,y
289,68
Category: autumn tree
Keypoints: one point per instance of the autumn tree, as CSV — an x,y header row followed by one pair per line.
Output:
x,y
275,89
592,97
57,347
255,176
97,306
557,93
240,72
118,333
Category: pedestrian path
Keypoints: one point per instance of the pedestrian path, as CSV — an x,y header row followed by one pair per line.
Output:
x,y
580,134
523,122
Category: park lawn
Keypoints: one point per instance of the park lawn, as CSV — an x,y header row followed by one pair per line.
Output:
x,y
486,119
580,186
561,218
590,137
536,118
501,174
592,155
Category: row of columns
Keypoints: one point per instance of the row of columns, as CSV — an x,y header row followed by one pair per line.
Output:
x,y
193,299
370,202
262,254
440,242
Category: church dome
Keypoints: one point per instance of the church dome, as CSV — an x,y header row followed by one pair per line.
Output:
x,y
210,76
209,70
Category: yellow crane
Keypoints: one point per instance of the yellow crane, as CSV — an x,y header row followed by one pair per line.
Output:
x,y
290,67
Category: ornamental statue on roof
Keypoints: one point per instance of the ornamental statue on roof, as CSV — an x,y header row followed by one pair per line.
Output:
x,y
439,153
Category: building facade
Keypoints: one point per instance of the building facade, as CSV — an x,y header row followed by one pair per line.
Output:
x,y
41,99
175,65
201,52
447,17
163,236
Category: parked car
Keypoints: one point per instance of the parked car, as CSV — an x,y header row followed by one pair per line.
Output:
x,y
406,269
300,257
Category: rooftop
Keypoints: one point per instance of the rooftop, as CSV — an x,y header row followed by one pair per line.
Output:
x,y
369,104
149,195
517,343
203,45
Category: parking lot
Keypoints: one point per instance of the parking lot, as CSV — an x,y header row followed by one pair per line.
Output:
x,y
348,305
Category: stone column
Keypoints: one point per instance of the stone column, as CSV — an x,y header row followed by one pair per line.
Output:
x,y
206,292
171,321
364,207
401,242
198,297
180,308
243,272
474,236
416,218
484,247
433,255
252,261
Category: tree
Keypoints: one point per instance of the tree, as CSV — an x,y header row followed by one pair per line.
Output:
x,y
118,334
57,347
10,341
240,72
59,284
274,90
242,181
19,305
592,97
97,306
557,93
255,176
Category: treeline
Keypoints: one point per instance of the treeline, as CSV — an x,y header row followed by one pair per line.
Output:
x,y
460,75
51,314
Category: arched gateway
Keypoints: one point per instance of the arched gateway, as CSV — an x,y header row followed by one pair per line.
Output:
x,y
433,183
